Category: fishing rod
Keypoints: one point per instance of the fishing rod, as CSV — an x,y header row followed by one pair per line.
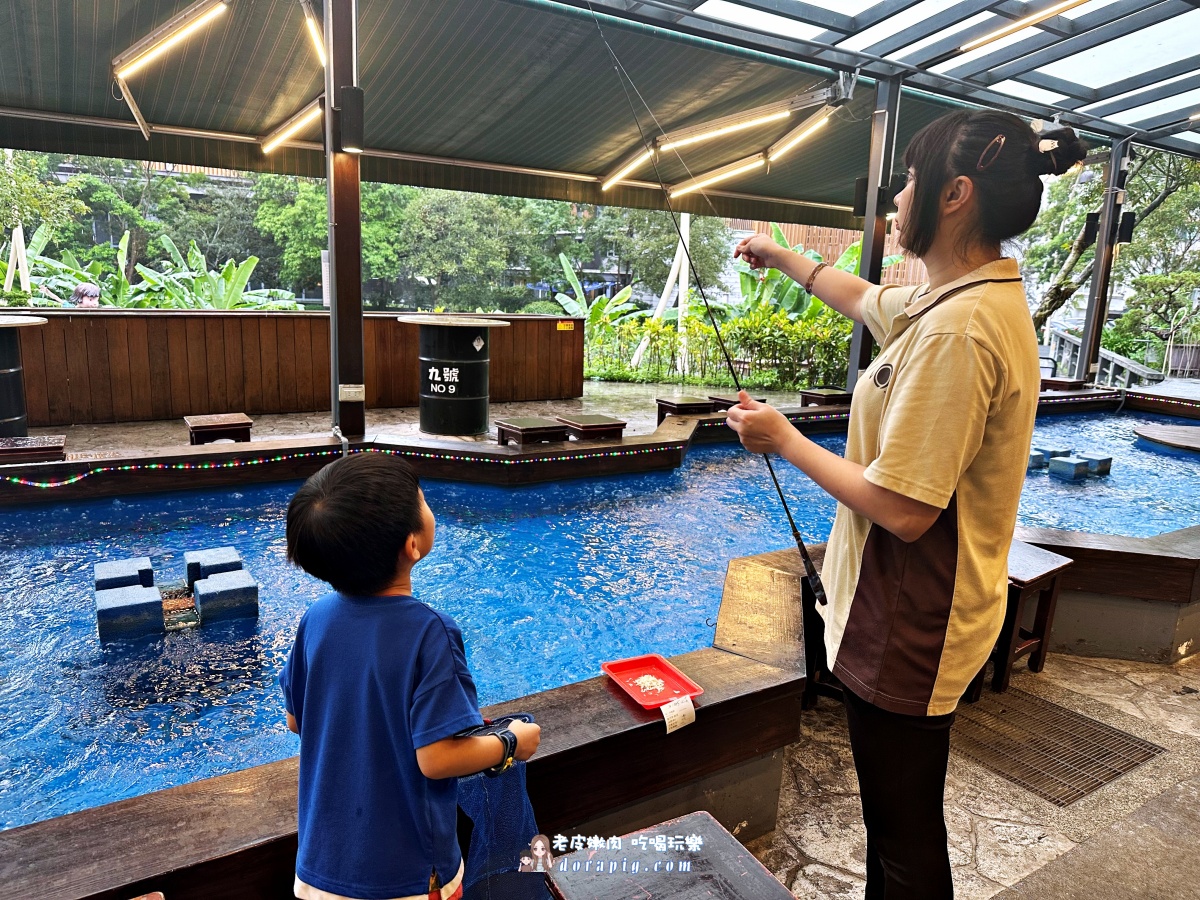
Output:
x,y
810,569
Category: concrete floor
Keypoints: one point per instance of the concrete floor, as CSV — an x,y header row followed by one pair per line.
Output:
x,y
632,402
1135,838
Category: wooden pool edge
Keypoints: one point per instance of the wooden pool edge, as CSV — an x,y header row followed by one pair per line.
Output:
x,y
234,836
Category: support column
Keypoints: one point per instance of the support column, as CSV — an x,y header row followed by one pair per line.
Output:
x,y
344,284
1106,242
884,122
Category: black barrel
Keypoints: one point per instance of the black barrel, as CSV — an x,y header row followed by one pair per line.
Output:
x,y
12,386
454,360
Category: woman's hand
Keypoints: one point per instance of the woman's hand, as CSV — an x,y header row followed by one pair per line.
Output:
x,y
760,428
760,251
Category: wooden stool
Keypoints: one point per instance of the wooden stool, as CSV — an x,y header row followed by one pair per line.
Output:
x,y
682,406
825,397
1063,384
592,427
529,430
1032,572
692,856
723,403
51,448
206,429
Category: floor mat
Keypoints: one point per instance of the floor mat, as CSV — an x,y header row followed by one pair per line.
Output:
x,y
1047,749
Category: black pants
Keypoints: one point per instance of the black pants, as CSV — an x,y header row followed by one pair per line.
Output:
x,y
901,763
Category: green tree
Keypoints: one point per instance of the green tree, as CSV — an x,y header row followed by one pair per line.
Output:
x,y
123,196
291,211
30,197
1056,259
459,245
644,243
220,222
1163,307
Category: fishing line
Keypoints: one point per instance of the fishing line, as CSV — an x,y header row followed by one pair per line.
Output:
x,y
814,579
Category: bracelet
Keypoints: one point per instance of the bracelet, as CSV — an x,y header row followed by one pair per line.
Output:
x,y
509,740
808,285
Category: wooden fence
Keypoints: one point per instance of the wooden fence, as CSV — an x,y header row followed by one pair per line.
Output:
x,y
831,242
134,365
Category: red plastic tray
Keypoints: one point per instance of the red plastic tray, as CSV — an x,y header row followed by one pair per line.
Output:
x,y
626,672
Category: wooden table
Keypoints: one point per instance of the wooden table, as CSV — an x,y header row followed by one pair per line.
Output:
x,y
594,427
206,429
13,421
682,406
529,430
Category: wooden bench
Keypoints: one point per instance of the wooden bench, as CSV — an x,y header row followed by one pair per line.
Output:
x,y
692,856
529,430
225,426
49,448
592,427
723,403
826,397
1032,573
682,406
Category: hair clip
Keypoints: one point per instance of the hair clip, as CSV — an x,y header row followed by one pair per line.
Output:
x,y
1045,146
985,159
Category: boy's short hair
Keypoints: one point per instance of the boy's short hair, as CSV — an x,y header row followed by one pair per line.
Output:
x,y
348,523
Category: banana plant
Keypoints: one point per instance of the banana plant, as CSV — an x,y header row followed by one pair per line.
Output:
x,y
602,310
770,288
188,283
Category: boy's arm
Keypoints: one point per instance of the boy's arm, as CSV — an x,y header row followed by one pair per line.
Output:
x,y
454,757
292,724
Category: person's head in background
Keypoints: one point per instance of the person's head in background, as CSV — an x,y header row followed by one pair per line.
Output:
x,y
974,182
86,296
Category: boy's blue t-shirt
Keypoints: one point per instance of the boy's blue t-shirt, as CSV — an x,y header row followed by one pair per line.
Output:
x,y
369,680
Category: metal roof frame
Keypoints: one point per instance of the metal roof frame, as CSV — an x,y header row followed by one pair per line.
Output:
x,y
975,81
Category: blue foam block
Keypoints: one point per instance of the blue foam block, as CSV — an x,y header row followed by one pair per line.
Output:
x,y
129,611
1098,463
203,563
1051,452
1069,468
116,573
226,595
1036,460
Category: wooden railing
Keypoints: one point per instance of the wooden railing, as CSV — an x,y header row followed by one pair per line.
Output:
x,y
1115,370
133,365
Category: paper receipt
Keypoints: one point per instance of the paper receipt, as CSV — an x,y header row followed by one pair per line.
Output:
x,y
678,712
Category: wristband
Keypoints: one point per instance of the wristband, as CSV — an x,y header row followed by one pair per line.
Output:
x,y
808,285
509,740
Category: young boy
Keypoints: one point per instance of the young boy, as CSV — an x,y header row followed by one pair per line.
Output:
x,y
377,685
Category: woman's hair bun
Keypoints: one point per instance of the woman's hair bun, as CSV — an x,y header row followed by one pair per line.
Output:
x,y
1056,151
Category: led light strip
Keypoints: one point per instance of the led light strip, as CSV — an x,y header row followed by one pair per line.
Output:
x,y
288,457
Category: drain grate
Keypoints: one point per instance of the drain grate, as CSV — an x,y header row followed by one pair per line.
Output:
x,y
1054,752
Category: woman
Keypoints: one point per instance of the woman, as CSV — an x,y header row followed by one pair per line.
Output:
x,y
927,493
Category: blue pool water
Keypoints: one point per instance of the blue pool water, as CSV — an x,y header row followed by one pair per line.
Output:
x,y
546,581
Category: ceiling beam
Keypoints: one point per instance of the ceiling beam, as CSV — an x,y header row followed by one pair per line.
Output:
x,y
798,11
1144,80
1168,119
1115,21
959,12
1059,86
1055,29
1153,95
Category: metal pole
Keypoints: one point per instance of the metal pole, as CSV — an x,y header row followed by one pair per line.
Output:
x,y
1110,214
345,226
884,122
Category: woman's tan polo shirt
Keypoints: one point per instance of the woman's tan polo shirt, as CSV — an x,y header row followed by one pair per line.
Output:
x,y
943,415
